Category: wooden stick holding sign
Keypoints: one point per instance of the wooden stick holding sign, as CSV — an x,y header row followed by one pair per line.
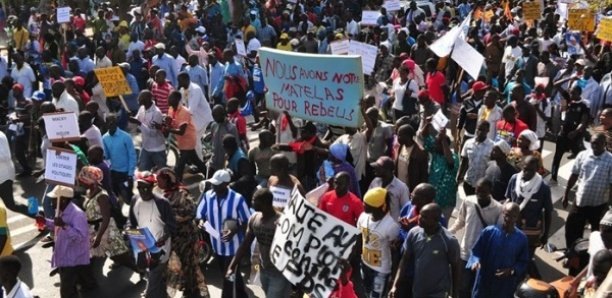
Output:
x,y
114,83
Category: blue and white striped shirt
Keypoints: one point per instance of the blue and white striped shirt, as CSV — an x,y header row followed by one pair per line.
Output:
x,y
217,210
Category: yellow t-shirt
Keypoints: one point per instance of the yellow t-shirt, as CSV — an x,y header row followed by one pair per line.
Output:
x,y
8,247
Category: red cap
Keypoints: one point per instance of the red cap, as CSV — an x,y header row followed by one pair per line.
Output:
x,y
479,86
79,81
409,63
18,87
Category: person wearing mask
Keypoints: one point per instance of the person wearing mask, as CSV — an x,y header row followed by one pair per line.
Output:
x,y
154,212
261,227
499,170
477,212
532,194
194,99
71,251
474,159
119,151
227,212
429,236
218,130
12,286
573,127
149,118
500,257
593,168
468,114
379,232
166,62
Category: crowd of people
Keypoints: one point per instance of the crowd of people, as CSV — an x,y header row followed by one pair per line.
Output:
x,y
396,178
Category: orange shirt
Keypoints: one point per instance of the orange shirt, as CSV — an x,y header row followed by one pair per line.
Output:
x,y
188,140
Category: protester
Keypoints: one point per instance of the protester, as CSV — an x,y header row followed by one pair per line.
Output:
x,y
12,286
474,158
119,150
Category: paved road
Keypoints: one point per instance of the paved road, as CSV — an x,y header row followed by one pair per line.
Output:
x,y
122,283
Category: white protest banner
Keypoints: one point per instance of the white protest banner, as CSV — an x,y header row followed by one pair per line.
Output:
x,y
468,58
61,166
392,5
240,48
367,52
340,47
369,17
280,196
321,88
443,46
62,127
308,246
63,14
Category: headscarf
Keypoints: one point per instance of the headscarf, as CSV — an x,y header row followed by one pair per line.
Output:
x,y
146,177
338,151
90,175
503,146
173,183
534,142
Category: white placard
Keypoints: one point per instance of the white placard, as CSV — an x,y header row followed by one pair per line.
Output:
x,y
367,52
62,126
370,17
392,5
468,58
63,14
61,166
281,196
211,230
308,246
439,121
240,48
340,47
314,196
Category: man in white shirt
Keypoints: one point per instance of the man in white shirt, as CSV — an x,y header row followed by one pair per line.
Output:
x,y
7,175
62,99
23,74
511,54
148,118
101,60
12,287
195,100
476,213
134,44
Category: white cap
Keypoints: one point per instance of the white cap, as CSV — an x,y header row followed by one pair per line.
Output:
x,y
219,177
61,191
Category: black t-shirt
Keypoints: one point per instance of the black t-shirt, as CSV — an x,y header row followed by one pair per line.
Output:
x,y
573,115
499,177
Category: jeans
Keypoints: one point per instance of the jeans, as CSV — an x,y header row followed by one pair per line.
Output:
x,y
123,185
230,287
156,284
148,160
374,282
6,193
577,218
274,284
188,156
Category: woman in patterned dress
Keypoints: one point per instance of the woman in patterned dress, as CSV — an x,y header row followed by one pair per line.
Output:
x,y
106,239
184,272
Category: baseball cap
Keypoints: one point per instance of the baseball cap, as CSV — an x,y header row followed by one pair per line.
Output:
x,y
61,191
18,87
375,197
479,86
219,177
146,177
38,96
160,46
580,62
384,162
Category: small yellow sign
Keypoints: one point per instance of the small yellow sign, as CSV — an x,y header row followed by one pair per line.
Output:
x,y
113,81
532,11
604,30
581,19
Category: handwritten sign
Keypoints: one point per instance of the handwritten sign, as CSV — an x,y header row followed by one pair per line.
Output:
x,y
62,127
531,10
63,15
468,58
308,246
604,30
240,48
280,196
392,5
321,88
367,52
61,166
581,19
340,47
369,17
113,81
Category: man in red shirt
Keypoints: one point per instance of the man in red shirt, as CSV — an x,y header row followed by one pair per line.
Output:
x,y
340,202
436,83
161,89
509,127
234,117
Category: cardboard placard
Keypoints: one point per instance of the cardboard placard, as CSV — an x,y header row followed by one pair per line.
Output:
x,y
61,166
366,52
308,246
240,48
392,5
62,126
604,30
63,14
581,19
370,17
340,47
113,81
531,11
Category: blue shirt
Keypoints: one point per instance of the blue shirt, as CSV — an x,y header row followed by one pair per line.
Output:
x,y
216,75
258,81
497,250
232,163
166,62
132,99
197,75
231,69
86,65
119,150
